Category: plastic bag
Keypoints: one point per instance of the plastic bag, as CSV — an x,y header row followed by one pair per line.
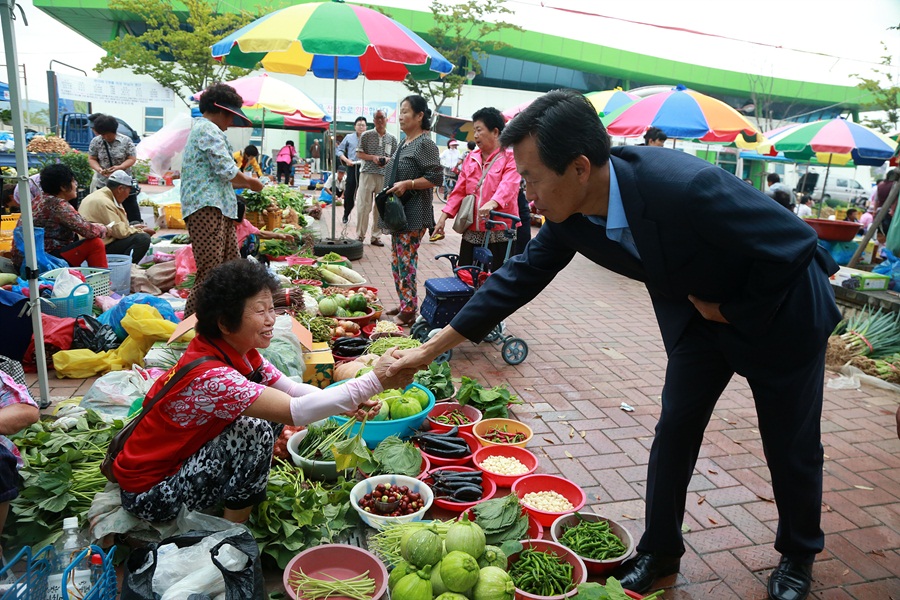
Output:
x,y
65,284
114,316
284,351
244,582
162,275
45,261
58,333
394,215
184,264
890,266
114,393
92,334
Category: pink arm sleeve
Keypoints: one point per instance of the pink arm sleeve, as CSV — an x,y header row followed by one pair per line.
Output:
x,y
314,404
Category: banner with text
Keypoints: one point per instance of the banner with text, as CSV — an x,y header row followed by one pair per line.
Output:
x,y
114,92
349,111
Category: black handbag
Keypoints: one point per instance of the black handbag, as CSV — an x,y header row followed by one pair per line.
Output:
x,y
390,206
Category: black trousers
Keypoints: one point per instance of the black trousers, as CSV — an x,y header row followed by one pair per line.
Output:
x,y
132,210
350,190
282,169
135,244
523,233
789,409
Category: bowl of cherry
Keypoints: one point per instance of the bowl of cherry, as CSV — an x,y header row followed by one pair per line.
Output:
x,y
384,499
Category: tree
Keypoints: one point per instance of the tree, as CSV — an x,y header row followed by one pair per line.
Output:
x,y
41,117
463,33
175,54
885,91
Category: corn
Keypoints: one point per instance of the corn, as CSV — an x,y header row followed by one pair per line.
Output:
x,y
503,465
548,502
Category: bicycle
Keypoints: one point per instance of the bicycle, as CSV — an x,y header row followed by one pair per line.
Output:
x,y
443,190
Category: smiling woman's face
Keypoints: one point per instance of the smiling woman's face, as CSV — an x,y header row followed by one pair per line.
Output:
x,y
256,324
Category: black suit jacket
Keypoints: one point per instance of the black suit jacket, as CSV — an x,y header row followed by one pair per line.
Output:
x,y
699,230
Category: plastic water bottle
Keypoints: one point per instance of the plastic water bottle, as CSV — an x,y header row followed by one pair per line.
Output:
x,y
96,568
68,547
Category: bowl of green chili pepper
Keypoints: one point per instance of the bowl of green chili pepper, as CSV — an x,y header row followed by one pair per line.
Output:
x,y
599,541
546,570
445,415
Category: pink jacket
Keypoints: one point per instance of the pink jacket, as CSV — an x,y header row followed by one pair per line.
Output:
x,y
500,185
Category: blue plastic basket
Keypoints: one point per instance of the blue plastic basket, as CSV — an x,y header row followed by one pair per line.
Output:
x,y
71,306
103,589
376,431
32,583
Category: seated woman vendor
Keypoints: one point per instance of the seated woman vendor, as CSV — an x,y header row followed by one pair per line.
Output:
x,y
207,440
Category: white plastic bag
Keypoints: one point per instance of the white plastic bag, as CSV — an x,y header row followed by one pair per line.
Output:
x,y
114,393
183,571
65,283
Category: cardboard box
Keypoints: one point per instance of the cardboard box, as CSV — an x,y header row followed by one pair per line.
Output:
x,y
855,279
319,363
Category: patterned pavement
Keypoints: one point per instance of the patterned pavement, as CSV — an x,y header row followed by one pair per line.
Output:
x,y
594,344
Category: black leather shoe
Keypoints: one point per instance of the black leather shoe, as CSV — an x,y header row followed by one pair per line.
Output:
x,y
790,580
639,573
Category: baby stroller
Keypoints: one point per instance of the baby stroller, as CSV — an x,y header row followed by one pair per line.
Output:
x,y
445,296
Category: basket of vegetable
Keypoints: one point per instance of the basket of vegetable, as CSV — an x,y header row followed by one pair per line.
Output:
x,y
546,570
335,571
449,448
311,448
505,464
384,499
458,488
446,415
547,497
402,414
502,432
601,543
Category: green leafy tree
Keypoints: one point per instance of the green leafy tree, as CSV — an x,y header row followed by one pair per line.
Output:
x,y
41,117
174,53
884,88
463,33
6,116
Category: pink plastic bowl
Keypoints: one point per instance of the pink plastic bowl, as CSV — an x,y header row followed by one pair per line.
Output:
x,y
579,572
337,560
520,454
471,412
547,483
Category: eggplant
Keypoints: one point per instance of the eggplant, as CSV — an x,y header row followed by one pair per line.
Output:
x,y
469,493
451,453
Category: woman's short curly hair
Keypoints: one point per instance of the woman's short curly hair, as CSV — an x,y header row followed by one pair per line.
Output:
x,y
55,177
221,94
224,293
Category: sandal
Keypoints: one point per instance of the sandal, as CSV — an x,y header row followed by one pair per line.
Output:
x,y
406,317
436,237
392,312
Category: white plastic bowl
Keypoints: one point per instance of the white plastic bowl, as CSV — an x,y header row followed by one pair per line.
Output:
x,y
367,486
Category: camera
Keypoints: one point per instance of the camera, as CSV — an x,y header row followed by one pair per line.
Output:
x,y
382,160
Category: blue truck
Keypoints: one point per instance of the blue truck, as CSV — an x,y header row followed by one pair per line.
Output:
x,y
75,128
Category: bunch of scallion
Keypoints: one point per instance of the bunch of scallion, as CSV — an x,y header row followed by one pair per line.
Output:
x,y
871,333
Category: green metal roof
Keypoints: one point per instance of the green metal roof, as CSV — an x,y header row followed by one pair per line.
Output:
x,y
94,20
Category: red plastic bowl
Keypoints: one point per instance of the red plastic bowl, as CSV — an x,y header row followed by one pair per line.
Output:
x,y
437,461
489,487
833,231
595,567
535,529
300,260
337,560
361,321
579,571
356,288
471,412
547,483
520,454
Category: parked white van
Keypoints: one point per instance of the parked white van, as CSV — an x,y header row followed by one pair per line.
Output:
x,y
838,187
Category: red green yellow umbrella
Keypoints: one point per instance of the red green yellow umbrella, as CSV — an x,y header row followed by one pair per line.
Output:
x,y
268,93
608,101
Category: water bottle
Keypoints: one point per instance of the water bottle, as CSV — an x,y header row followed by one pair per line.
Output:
x,y
68,547
96,568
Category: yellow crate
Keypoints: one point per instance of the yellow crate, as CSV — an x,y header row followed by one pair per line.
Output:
x,y
7,224
173,216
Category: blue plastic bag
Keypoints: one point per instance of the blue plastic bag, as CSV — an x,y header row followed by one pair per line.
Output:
x,y
890,267
325,196
45,260
113,317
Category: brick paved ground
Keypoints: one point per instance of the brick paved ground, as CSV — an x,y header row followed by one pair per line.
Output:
x,y
594,344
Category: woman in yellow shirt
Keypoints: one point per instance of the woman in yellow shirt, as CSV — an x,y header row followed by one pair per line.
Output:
x,y
248,158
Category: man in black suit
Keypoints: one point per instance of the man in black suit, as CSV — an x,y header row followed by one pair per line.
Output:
x,y
738,285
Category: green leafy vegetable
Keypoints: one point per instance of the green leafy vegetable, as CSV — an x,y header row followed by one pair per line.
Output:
x,y
394,456
611,591
502,519
437,379
492,402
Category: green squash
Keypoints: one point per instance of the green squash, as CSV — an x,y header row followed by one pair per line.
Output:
x,y
459,571
493,584
423,548
465,536
451,596
493,557
415,586
405,407
357,302
402,569
437,584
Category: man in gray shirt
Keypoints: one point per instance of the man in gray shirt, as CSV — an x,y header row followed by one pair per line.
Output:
x,y
346,153
374,151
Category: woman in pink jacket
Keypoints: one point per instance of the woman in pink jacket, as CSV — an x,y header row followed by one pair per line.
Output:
x,y
499,188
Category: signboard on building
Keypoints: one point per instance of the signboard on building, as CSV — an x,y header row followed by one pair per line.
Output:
x,y
129,93
349,111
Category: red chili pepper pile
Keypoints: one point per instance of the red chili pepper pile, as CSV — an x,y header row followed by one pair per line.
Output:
x,y
500,435
454,417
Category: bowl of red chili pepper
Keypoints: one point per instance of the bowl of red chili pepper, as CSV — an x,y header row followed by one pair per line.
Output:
x,y
502,432
446,415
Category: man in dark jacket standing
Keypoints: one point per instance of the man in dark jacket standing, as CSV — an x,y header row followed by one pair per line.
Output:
x,y
738,285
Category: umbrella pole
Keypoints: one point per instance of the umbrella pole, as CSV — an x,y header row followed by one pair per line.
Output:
x,y
333,157
262,133
27,218
824,183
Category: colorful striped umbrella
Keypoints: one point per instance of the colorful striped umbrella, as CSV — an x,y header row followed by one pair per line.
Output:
x,y
608,101
684,113
312,37
836,137
268,93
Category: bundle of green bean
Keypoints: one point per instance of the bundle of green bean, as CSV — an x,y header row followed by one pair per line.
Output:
x,y
361,587
594,540
542,573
